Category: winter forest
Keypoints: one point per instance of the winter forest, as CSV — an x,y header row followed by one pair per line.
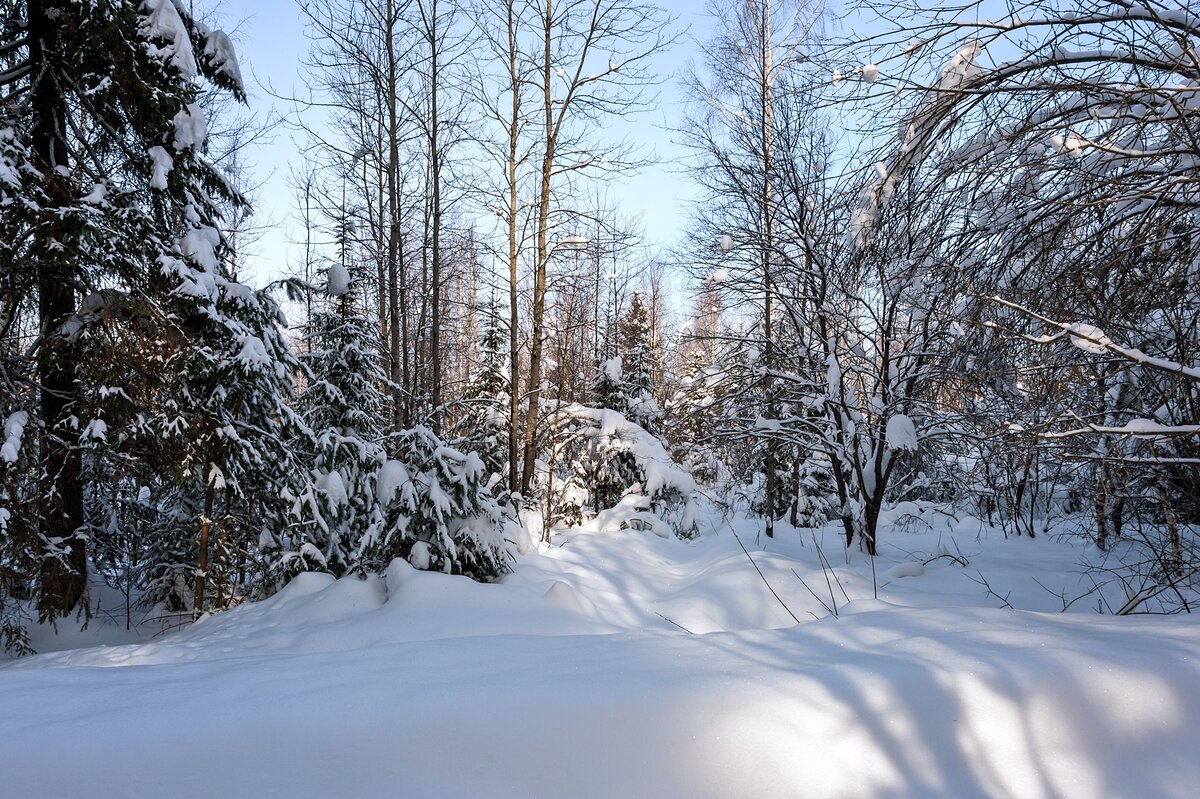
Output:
x,y
878,476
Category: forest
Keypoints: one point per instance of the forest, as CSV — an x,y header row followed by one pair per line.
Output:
x,y
938,288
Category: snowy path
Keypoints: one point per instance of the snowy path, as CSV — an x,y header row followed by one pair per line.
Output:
x,y
564,681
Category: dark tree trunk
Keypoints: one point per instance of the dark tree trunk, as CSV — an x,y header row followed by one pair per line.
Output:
x,y
64,562
202,564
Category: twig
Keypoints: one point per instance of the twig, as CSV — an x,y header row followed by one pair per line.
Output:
x,y
961,561
832,611
677,624
763,576
827,567
987,586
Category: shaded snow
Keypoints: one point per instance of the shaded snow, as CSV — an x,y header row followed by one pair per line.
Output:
x,y
190,128
573,677
221,54
901,433
14,430
166,35
339,281
161,164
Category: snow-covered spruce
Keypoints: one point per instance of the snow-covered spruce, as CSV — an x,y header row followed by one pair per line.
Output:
x,y
602,460
437,511
429,504
343,403
481,422
108,220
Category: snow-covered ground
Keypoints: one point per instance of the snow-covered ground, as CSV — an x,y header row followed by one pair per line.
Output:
x,y
620,664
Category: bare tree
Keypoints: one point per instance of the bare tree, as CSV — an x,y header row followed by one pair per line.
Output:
x,y
591,66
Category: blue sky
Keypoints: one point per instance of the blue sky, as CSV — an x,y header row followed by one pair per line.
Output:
x,y
271,41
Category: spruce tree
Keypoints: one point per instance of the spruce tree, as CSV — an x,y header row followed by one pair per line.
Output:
x,y
439,514
637,360
107,206
236,396
482,427
344,405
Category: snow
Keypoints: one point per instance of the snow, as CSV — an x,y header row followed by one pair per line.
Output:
x,y
870,72
14,429
96,196
909,569
334,489
392,478
161,165
612,369
253,354
97,430
339,281
190,127
200,245
221,54
419,556
901,433
664,482
962,68
9,174
1088,338
624,664
161,22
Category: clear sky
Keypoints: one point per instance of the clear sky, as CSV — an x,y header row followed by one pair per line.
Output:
x,y
271,42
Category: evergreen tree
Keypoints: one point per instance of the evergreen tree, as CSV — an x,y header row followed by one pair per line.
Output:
x,y
102,188
345,406
482,427
693,412
637,360
439,514
242,436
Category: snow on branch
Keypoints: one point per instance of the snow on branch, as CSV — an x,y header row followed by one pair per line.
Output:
x,y
1093,339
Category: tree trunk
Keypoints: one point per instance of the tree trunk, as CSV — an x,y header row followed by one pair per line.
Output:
x,y
794,517
394,245
766,122
514,353
872,506
1102,509
542,259
435,161
202,561
64,559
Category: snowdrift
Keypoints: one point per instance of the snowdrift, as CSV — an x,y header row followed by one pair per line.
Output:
x,y
574,677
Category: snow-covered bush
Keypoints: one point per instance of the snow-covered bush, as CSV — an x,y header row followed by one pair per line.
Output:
x,y
436,511
612,460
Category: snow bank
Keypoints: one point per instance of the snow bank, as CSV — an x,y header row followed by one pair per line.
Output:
x,y
574,677
930,703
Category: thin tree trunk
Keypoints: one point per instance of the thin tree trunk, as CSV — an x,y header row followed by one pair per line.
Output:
x,y
399,417
202,562
435,333
766,98
1102,511
1174,560
398,317
514,353
542,259
794,518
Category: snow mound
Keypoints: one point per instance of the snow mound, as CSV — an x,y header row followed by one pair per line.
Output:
x,y
634,665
